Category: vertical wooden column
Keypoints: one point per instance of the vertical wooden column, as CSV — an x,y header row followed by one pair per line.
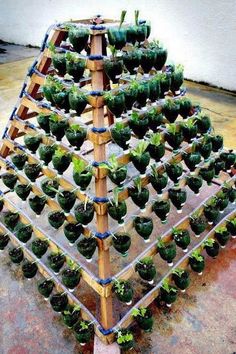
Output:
x,y
101,187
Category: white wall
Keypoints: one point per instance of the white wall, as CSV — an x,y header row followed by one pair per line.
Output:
x,y
200,34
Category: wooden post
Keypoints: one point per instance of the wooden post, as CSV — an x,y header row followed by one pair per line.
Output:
x,y
101,188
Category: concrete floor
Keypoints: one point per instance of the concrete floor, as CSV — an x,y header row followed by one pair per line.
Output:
x,y
202,321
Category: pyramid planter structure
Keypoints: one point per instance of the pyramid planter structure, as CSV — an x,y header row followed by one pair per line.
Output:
x,y
118,175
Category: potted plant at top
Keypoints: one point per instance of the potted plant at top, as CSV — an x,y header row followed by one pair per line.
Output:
x,y
72,232
50,186
45,153
75,66
161,208
19,160
217,142
197,262
158,180
198,224
122,243
39,247
61,160
140,157
189,129
212,247
23,190
83,331
113,66
155,119
121,135
43,121
130,93
231,227
181,279
4,239
77,100
144,318
71,275
9,179
139,124
174,171
192,159
181,238
167,251
156,146
186,107
168,293
222,235
117,36
23,232
32,171
58,59
131,60
59,302
11,219
174,136
16,255
37,203
147,60
143,93
115,103
116,171
45,288
71,315
125,339
57,126
208,173
203,123
171,109
123,291
76,135
165,80
78,37
117,209
177,79
66,200
146,269
56,219
32,142
87,246
229,157
82,173
211,210
144,227
84,212
195,183
139,194
29,269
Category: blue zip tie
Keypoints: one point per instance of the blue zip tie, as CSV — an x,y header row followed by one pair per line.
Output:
x,y
96,163
30,125
10,165
98,27
96,93
95,57
104,281
22,90
103,235
4,133
44,42
44,105
100,199
98,130
106,331
32,68
13,113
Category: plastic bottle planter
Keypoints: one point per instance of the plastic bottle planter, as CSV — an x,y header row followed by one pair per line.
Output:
x,y
229,158
122,243
174,137
116,171
87,247
208,173
125,339
161,56
231,227
198,225
147,60
197,262
181,279
144,318
205,148
113,68
140,157
146,269
158,180
156,147
219,165
174,172
154,89
117,210
19,160
23,232
77,100
217,142
189,129
177,79
4,239
144,227
29,269
117,36
71,278
66,200
78,37
58,60
57,127
39,247
139,125
61,160
164,84
161,208
49,187
72,232
212,247
84,213
11,219
23,191
139,194
16,255
203,123
222,201
178,198
131,60
56,262
186,107
32,171
211,211
75,66
59,302
32,142
123,291
171,110
76,135
71,315
9,179
45,153
168,293
121,135
143,93
82,174
181,238
115,103
195,183
83,331
192,160
45,288
154,119
167,251
37,204
56,219
222,235
130,93
43,121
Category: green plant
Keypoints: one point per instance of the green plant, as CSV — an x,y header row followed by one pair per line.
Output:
x,y
167,287
140,148
141,311
124,338
197,256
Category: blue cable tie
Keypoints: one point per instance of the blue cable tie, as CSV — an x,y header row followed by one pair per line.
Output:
x,y
96,93
4,133
98,27
100,200
44,105
95,57
98,130
103,235
13,113
10,165
22,90
44,42
105,281
32,68
97,164
106,331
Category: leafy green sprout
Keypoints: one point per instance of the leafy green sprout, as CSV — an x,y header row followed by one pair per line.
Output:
x,y
124,338
80,166
197,256
141,311
155,139
113,164
209,242
140,148
179,272
233,221
167,287
119,287
221,229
